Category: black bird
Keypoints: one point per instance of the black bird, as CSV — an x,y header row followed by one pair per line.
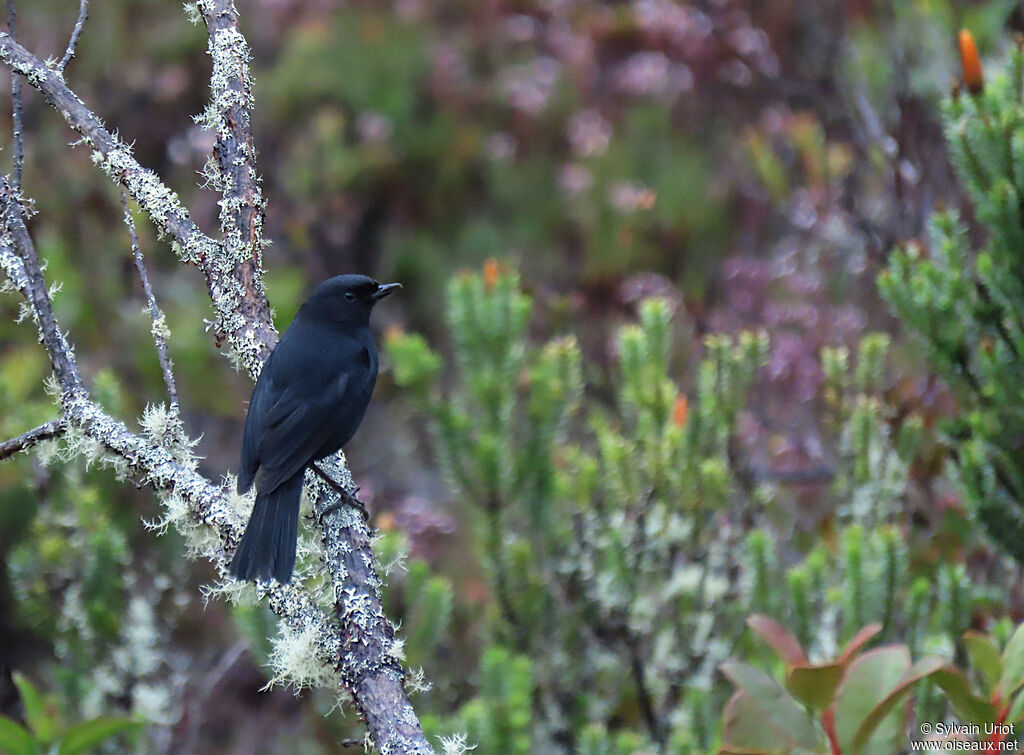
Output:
x,y
307,403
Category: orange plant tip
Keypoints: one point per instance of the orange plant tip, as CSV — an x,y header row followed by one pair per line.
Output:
x,y
393,332
974,78
680,411
491,271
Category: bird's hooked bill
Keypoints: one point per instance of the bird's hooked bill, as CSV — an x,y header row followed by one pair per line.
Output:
x,y
383,289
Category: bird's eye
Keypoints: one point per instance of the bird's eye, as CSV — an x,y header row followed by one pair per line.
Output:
x,y
350,296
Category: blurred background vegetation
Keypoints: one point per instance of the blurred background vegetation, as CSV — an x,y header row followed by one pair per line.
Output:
x,y
640,382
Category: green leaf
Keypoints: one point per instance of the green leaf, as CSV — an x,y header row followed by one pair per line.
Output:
x,y
920,670
1013,663
747,730
775,708
84,737
1016,710
15,739
815,686
984,654
868,681
41,719
967,706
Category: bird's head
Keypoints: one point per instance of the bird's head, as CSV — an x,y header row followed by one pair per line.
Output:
x,y
346,299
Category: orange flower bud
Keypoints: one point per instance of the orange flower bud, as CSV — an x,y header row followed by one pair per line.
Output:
x,y
680,411
974,79
491,270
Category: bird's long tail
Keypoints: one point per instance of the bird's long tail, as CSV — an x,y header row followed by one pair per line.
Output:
x,y
268,545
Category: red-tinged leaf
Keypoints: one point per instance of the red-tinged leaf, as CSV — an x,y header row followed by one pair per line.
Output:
x,y
985,657
770,712
868,680
859,640
920,670
815,686
778,638
967,706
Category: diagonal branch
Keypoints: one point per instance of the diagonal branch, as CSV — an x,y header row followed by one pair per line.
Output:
x,y
19,260
30,438
242,312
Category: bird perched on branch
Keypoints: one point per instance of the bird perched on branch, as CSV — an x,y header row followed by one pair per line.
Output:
x,y
307,404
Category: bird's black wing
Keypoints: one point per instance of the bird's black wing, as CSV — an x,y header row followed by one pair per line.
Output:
x,y
295,428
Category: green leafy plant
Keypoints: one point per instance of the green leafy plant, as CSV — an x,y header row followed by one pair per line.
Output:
x,y
44,730
964,301
598,525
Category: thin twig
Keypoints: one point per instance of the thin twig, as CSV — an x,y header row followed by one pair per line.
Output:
x,y
30,438
16,107
83,14
159,320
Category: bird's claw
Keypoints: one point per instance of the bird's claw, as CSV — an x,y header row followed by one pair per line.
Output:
x,y
345,498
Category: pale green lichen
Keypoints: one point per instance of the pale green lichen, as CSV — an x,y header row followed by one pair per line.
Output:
x,y
295,659
159,329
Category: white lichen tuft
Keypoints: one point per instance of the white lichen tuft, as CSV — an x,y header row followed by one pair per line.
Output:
x,y
192,13
231,590
455,745
295,659
416,681
396,649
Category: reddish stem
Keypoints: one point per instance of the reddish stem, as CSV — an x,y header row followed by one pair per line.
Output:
x,y
828,722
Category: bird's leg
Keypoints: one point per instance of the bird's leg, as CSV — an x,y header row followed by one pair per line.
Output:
x,y
349,498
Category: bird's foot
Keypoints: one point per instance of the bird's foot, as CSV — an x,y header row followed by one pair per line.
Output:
x,y
331,482
345,499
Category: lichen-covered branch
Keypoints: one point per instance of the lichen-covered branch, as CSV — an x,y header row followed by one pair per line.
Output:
x,y
20,262
234,172
30,438
370,660
251,338
18,146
